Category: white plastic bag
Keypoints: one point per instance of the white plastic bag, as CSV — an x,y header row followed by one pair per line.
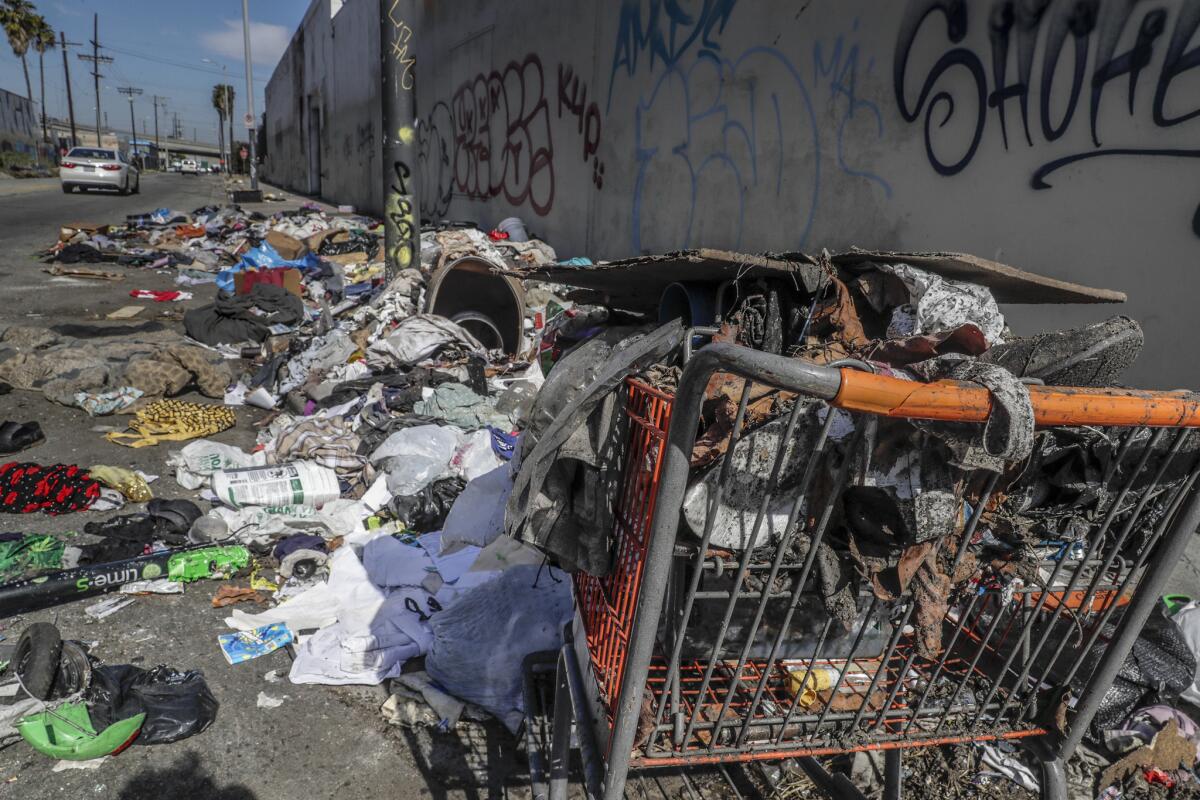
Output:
x,y
480,643
417,338
198,460
1188,620
415,457
475,456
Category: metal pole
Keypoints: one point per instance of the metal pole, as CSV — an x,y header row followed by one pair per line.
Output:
x,y
42,81
96,71
67,76
1145,600
250,127
397,52
157,146
132,131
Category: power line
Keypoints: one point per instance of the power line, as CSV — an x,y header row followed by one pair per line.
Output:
x,y
96,60
180,64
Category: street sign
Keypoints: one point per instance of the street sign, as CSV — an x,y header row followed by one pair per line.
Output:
x,y
249,120
244,153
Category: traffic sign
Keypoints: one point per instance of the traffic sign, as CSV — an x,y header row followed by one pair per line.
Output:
x,y
249,120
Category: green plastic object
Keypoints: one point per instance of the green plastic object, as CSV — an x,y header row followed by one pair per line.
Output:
x,y
208,562
1174,602
67,733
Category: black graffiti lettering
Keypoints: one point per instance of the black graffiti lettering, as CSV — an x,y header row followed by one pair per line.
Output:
x,y
1177,62
1129,63
403,173
1043,28
435,148
401,216
955,12
999,32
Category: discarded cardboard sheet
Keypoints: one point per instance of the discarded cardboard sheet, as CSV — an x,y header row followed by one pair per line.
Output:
x,y
125,312
636,284
1008,284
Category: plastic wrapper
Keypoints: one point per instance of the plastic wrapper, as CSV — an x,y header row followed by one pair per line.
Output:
x,y
1158,669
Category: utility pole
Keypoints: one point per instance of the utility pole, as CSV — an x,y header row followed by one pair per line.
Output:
x,y
131,92
398,56
96,60
157,149
67,76
250,127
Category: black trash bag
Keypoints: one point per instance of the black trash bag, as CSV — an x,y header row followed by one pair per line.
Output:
x,y
177,704
1159,667
426,510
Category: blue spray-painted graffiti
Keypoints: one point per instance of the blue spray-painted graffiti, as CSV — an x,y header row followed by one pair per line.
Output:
x,y
669,30
731,141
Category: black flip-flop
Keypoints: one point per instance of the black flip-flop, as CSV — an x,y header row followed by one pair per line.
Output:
x,y
17,436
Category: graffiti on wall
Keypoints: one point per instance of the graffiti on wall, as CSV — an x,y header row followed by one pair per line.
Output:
x,y
573,99
664,31
1033,81
401,34
760,130
493,137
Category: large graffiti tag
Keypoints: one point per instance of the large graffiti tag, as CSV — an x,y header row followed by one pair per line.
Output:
x,y
667,31
493,138
1061,39
502,144
736,142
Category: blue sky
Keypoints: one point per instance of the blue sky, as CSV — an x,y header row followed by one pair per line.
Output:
x,y
159,47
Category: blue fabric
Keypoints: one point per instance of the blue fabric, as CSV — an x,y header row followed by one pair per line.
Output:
x,y
263,257
577,261
503,443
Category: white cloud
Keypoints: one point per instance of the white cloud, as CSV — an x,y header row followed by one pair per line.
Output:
x,y
267,41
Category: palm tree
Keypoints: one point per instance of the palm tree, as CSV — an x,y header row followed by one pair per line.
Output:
x,y
222,100
218,101
43,40
19,19
229,114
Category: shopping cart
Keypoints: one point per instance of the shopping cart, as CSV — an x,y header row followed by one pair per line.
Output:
x,y
691,652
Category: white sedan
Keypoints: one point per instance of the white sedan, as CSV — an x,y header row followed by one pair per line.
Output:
x,y
98,168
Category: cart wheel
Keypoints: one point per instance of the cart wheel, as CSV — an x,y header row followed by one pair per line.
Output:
x,y
36,658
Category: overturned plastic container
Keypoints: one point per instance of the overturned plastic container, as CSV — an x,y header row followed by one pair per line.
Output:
x,y
298,483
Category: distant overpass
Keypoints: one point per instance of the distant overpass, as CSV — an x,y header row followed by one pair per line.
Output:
x,y
60,133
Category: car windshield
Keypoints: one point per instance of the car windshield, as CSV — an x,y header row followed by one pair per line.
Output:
x,y
89,152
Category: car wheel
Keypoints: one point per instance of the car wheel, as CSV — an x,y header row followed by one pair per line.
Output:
x,y
137,185
68,188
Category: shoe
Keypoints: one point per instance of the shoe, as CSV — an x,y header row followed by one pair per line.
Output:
x,y
18,436
1094,355
178,514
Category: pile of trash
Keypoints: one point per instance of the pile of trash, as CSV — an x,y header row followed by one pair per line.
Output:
x,y
438,445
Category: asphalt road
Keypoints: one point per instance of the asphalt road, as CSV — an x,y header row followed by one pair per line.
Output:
x,y
323,742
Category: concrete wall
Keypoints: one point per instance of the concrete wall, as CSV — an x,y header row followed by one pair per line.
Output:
x,y
1062,141
322,107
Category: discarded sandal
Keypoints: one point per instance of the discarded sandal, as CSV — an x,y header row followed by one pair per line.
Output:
x,y
18,436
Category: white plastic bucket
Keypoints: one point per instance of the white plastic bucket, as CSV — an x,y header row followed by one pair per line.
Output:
x,y
299,483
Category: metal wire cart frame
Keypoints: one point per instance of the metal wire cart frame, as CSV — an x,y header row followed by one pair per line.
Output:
x,y
733,640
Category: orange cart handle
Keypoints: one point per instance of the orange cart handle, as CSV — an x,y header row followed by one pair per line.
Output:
x,y
956,401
